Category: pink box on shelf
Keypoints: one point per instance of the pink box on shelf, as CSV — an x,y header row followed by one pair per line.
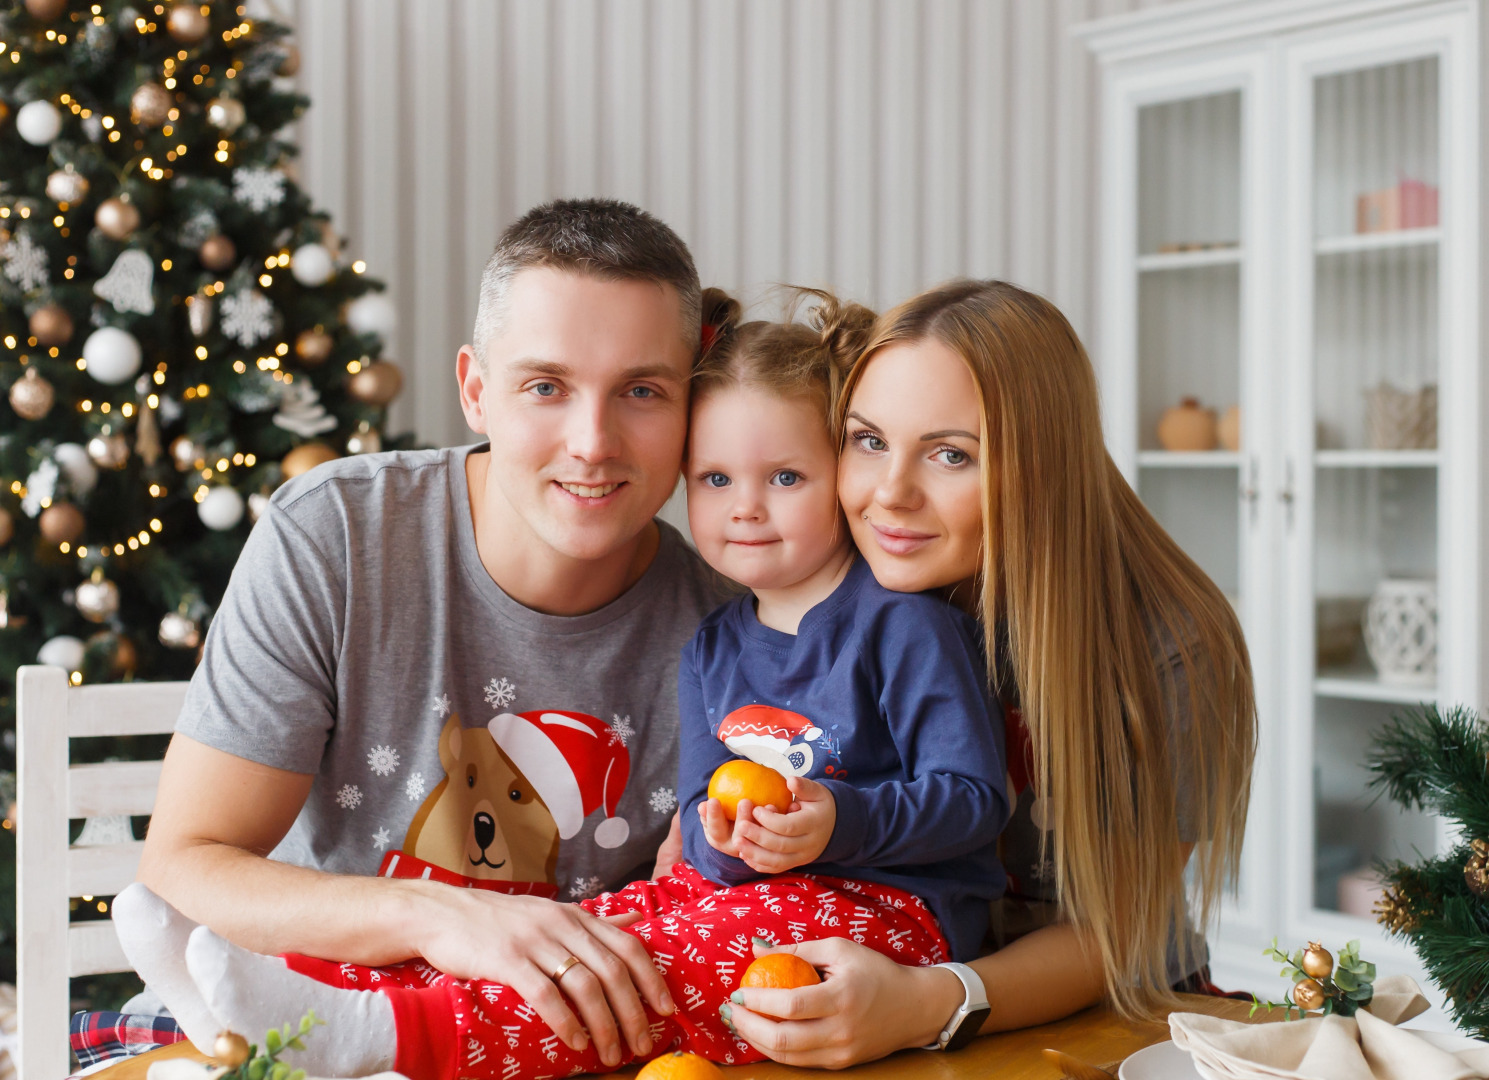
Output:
x,y
1418,204
1411,204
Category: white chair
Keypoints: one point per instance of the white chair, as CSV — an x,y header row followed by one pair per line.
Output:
x,y
50,949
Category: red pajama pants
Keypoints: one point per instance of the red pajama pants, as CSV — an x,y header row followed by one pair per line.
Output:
x,y
697,934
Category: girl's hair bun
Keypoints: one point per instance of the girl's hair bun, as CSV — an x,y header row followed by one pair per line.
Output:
x,y
843,326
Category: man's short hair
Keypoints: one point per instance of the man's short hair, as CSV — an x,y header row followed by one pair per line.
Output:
x,y
609,239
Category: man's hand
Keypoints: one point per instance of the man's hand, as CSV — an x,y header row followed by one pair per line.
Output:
x,y
768,841
522,940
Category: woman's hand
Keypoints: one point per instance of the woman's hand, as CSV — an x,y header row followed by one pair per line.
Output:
x,y
866,1006
670,853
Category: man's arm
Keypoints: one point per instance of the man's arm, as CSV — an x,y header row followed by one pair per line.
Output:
x,y
218,816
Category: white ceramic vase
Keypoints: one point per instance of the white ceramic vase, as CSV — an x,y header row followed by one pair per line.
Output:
x,y
1401,631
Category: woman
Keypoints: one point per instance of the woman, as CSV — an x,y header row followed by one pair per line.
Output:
x,y
973,462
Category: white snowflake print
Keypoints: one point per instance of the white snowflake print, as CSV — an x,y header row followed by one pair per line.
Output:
x,y
259,188
664,800
382,760
380,839
500,693
620,728
349,797
26,262
413,787
442,705
247,317
585,887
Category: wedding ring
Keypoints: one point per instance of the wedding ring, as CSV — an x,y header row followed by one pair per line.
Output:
x,y
569,961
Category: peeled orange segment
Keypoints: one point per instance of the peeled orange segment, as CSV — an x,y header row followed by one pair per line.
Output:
x,y
740,779
680,1065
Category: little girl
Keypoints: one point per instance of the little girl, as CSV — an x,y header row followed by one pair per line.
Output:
x,y
873,704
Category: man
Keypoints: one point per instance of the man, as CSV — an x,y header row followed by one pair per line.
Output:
x,y
437,674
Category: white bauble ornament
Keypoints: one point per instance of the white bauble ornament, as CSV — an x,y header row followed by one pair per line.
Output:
x,y
77,466
112,355
63,651
372,313
179,631
221,509
312,265
38,122
67,186
258,506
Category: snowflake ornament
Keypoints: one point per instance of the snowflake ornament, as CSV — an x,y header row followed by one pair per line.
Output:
x,y
26,262
382,760
620,728
195,230
413,787
583,888
381,839
41,486
664,800
349,797
258,188
247,317
441,705
500,693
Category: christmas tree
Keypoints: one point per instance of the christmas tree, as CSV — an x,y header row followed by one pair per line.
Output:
x,y
179,333
1440,763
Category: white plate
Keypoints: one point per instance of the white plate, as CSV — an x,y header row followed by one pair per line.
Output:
x,y
1161,1061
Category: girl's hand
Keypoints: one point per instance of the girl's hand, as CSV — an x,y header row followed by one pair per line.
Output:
x,y
722,834
866,1006
775,842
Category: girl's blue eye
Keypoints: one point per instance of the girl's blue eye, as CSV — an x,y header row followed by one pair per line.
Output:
x,y
545,389
786,478
716,479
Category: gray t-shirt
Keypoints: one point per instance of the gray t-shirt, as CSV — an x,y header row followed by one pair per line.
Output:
x,y
453,733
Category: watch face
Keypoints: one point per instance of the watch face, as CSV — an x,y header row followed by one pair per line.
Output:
x,y
967,1030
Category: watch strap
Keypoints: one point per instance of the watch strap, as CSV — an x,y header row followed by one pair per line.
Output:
x,y
964,1024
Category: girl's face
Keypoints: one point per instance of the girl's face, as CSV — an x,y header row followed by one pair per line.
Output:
x,y
762,497
908,477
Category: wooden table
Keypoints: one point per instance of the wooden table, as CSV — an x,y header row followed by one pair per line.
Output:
x,y
1097,1036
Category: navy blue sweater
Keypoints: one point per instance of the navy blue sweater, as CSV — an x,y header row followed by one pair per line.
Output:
x,y
880,696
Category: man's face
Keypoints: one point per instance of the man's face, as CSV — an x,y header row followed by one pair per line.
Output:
x,y
584,398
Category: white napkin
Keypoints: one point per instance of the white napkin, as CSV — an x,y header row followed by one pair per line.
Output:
x,y
1367,1046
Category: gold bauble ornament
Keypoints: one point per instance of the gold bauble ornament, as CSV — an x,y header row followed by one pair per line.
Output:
x,y
1308,995
46,10
179,631
116,218
1317,961
377,384
185,453
314,346
305,457
290,65
123,657
186,23
1476,870
61,523
230,1049
67,185
97,599
226,114
50,325
31,396
150,104
109,450
365,440
217,252
7,526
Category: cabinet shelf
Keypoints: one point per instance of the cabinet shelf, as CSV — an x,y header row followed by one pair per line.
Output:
x,y
1197,459
1376,459
1376,241
1188,260
1363,684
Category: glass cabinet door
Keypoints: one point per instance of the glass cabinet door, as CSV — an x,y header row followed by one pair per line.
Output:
x,y
1374,514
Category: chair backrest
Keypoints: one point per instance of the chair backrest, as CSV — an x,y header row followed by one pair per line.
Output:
x,y
50,949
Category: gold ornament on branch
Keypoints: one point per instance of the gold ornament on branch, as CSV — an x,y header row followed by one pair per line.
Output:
x,y
97,599
7,527
313,346
230,1049
1394,911
185,453
150,105
1308,995
67,185
46,10
377,384
31,396
305,457
123,658
116,218
290,65
179,631
109,450
147,435
1318,962
1476,870
365,440
217,252
61,523
51,325
186,23
226,114
200,307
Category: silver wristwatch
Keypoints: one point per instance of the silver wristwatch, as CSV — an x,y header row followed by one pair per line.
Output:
x,y
964,1024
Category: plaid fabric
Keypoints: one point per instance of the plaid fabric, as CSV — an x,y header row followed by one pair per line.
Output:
x,y
99,1037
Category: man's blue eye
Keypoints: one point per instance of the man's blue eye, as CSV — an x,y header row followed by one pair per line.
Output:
x,y
643,392
787,478
545,389
716,479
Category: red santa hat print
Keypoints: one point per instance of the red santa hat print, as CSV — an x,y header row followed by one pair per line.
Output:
x,y
768,735
576,763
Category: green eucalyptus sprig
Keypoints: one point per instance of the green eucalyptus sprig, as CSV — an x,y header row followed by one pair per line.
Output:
x,y
240,1061
1320,983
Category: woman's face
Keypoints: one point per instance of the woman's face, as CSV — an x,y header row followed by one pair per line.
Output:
x,y
908,477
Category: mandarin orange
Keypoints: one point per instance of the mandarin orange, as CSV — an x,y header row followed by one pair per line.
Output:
x,y
779,971
740,779
679,1065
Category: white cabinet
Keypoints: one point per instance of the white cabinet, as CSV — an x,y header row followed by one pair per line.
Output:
x,y
1290,225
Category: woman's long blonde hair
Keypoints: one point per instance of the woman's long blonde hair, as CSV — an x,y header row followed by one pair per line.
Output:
x,y
1093,596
